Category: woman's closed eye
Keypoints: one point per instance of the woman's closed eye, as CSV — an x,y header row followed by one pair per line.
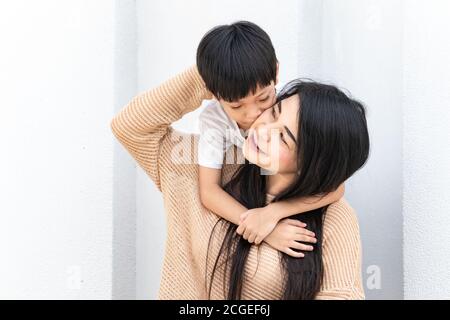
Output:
x,y
281,132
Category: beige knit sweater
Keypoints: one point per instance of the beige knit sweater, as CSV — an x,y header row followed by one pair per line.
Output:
x,y
170,160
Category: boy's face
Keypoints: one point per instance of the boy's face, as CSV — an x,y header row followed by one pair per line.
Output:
x,y
248,109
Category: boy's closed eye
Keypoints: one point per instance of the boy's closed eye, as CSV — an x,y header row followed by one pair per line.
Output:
x,y
262,100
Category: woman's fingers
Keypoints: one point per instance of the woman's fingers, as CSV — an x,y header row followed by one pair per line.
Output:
x,y
305,238
240,230
294,222
251,238
301,246
293,253
246,234
306,232
300,227
299,230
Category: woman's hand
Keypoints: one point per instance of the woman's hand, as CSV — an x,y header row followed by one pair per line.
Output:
x,y
291,234
256,224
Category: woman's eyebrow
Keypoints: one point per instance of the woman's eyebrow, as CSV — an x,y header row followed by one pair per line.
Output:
x,y
290,134
285,127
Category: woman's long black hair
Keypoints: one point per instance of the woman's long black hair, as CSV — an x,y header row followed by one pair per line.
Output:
x,y
332,144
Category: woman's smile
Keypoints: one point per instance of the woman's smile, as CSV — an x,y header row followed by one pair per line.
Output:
x,y
253,141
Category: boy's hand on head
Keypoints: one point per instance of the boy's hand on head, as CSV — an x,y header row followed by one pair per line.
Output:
x,y
256,224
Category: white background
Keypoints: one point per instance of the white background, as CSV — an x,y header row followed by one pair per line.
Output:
x,y
78,220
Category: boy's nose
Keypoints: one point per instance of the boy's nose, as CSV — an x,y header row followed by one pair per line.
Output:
x,y
255,115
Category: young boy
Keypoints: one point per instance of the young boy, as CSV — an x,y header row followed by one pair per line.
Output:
x,y
240,68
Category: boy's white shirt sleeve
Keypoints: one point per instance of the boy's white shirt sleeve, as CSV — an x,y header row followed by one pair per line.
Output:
x,y
213,141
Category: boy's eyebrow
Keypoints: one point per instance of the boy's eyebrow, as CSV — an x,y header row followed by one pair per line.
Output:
x,y
259,95
285,127
239,101
263,92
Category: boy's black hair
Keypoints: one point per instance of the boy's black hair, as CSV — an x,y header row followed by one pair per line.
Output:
x,y
234,59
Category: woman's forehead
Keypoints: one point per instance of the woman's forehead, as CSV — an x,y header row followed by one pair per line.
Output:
x,y
289,112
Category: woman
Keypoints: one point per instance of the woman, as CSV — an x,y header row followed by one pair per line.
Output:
x,y
200,245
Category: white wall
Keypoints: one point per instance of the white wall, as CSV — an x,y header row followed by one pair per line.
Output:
x,y
79,219
362,52
124,170
426,159
59,89
355,44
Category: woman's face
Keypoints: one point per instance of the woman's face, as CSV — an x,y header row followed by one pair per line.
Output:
x,y
271,143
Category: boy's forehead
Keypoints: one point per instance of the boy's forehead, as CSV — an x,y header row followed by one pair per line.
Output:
x,y
258,92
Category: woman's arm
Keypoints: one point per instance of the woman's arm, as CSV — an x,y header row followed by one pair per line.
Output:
x,y
143,123
341,254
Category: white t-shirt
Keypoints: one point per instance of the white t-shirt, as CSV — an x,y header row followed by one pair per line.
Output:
x,y
218,132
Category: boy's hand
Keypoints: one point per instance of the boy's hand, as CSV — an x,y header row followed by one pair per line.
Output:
x,y
290,234
256,224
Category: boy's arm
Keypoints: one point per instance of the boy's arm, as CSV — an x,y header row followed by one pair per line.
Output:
x,y
215,198
286,233
258,223
289,207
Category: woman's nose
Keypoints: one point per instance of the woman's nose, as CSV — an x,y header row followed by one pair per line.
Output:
x,y
263,133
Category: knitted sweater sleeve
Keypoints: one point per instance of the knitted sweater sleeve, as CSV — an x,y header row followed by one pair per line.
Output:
x,y
341,253
142,126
